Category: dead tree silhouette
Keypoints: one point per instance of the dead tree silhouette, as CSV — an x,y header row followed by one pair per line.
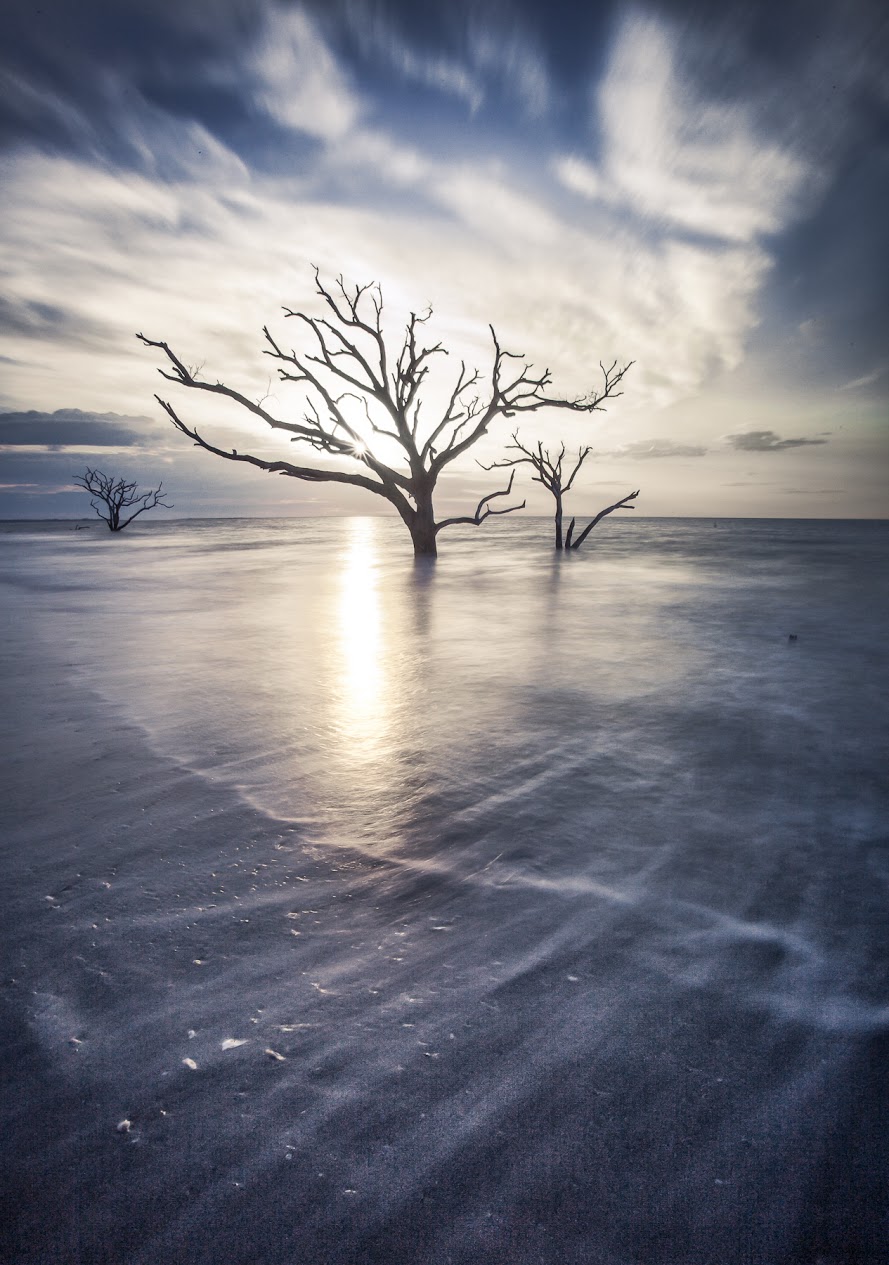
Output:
x,y
113,497
549,471
349,363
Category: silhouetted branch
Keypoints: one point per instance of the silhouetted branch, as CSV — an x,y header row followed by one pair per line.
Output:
x,y
311,474
622,504
525,393
548,468
483,509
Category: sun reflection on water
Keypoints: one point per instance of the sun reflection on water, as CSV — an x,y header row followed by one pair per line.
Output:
x,y
362,703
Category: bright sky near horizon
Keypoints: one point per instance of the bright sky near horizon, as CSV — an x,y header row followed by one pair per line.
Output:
x,y
701,191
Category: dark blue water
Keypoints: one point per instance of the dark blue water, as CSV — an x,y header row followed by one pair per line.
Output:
x,y
615,829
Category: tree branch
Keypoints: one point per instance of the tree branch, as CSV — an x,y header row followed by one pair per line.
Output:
x,y
525,393
483,509
623,504
310,474
547,466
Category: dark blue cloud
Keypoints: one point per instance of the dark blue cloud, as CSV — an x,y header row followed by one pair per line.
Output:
x,y
72,427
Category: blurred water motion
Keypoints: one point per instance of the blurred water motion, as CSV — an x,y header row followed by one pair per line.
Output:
x,y
578,717
563,915
361,702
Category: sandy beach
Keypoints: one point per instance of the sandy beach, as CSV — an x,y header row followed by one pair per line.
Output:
x,y
226,1041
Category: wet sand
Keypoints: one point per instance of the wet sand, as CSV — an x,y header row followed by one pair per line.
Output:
x,y
224,1045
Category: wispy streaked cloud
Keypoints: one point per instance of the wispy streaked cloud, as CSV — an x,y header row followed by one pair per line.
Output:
x,y
579,176
298,80
698,165
866,380
813,491
652,449
510,58
767,441
47,321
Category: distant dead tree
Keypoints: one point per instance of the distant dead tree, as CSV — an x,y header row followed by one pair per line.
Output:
x,y
548,471
113,497
348,364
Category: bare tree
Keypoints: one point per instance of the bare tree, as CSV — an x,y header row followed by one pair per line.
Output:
x,y
348,363
549,471
113,497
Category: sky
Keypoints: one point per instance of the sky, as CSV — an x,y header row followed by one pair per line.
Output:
x,y
700,189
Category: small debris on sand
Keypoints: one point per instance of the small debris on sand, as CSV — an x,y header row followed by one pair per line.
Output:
x,y
190,1063
273,1054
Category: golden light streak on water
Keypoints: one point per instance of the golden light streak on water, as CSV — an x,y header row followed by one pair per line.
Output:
x,y
362,704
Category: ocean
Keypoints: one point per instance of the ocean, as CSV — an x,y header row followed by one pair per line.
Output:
x,y
550,925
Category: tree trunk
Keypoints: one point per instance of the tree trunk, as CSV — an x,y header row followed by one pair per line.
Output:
x,y
423,528
558,497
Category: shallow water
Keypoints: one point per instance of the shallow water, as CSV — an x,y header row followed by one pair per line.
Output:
x,y
577,718
603,823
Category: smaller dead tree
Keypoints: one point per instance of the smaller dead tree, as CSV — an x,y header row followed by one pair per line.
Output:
x,y
550,471
112,498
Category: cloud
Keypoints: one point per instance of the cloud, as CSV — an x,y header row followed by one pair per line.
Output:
x,y
686,192
36,319
196,241
480,61
442,74
674,157
28,317
814,491
579,176
37,489
646,449
379,40
484,200
71,427
439,73
865,381
767,441
298,80
655,240
510,56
